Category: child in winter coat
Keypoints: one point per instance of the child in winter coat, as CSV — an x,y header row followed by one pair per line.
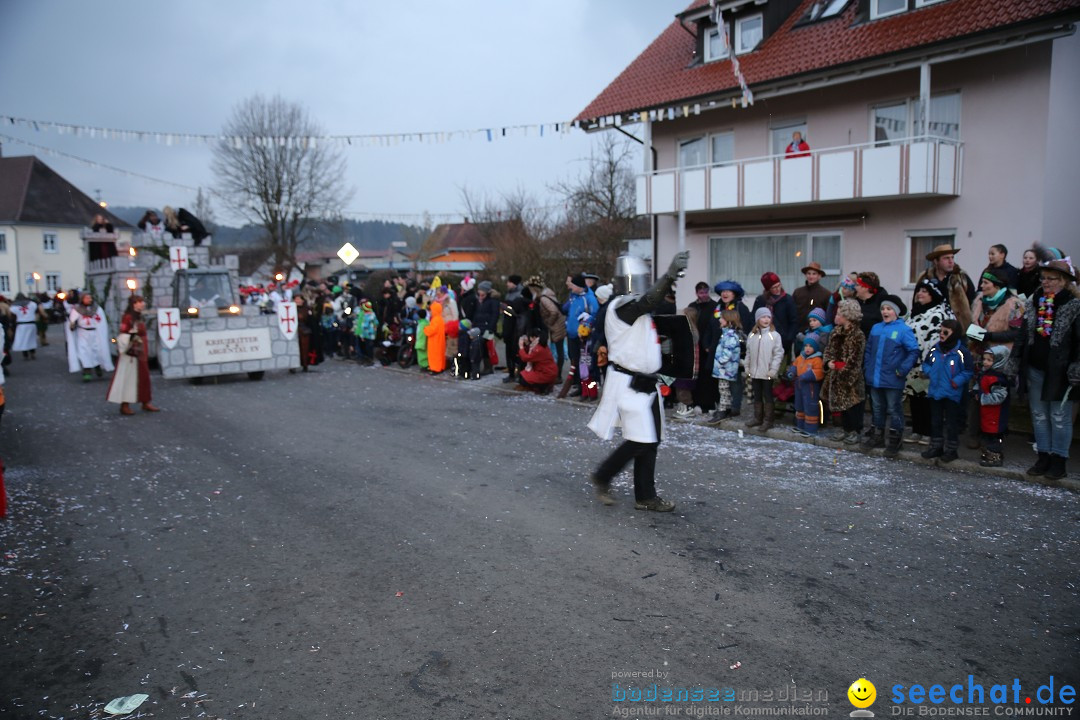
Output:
x,y
949,370
992,386
421,339
727,361
807,371
891,352
764,353
367,326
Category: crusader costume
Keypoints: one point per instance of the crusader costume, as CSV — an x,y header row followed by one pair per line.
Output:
x,y
631,398
25,311
89,347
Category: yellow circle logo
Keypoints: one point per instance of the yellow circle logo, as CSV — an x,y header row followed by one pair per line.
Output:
x,y
862,693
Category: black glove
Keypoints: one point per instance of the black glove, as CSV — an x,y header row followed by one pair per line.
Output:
x,y
678,264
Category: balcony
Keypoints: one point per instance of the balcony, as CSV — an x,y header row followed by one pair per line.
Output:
x,y
914,167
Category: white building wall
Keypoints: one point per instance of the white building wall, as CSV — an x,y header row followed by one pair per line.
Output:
x,y
1063,149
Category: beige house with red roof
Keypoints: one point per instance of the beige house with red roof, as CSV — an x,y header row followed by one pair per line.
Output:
x,y
928,122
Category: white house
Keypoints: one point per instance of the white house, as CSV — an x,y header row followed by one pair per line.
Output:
x,y
928,121
44,228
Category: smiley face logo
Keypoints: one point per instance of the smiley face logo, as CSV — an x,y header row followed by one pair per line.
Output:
x,y
862,693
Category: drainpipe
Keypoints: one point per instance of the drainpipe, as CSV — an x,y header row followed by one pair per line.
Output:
x,y
924,100
18,266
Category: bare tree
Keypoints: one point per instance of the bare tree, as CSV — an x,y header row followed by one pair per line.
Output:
x,y
202,210
515,226
271,171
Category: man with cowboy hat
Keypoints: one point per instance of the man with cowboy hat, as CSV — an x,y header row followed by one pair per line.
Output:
x,y
811,295
953,283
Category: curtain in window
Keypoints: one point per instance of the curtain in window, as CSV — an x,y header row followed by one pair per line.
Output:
x,y
825,250
921,245
723,148
944,115
781,137
745,259
692,152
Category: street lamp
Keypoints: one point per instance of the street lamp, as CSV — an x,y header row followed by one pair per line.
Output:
x,y
132,285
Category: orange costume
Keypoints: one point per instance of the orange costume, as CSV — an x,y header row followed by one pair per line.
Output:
x,y
436,335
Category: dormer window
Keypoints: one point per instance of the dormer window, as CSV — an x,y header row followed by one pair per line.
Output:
x,y
715,47
884,8
748,33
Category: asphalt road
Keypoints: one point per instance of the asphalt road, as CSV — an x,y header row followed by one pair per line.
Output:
x,y
365,542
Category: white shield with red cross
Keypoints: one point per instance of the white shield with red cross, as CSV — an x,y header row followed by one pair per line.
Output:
x,y
286,319
168,326
178,257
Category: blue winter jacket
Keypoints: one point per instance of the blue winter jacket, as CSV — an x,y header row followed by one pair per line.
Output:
x,y
949,372
891,352
577,304
728,353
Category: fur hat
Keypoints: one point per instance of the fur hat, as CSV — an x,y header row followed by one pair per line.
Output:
x,y
535,281
819,315
603,293
769,279
850,309
762,312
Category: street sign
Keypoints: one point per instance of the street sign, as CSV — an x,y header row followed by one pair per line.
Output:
x,y
348,253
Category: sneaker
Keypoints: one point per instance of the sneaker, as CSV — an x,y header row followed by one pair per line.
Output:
x,y
852,438
837,435
683,411
924,440
913,438
656,504
603,492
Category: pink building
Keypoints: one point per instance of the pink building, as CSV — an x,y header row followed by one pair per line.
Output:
x,y
928,121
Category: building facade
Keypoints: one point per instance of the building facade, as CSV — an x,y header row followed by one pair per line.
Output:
x,y
927,122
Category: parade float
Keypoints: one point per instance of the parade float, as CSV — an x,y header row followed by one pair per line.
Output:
x,y
196,324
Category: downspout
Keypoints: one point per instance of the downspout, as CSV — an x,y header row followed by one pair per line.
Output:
x,y
650,163
18,266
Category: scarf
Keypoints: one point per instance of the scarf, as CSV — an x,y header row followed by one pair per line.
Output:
x,y
994,301
771,300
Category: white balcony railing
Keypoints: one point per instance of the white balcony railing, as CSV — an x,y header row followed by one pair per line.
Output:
x,y
913,167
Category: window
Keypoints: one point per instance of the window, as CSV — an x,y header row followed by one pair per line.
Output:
x,y
52,282
748,33
897,121
692,152
919,244
716,47
923,3
5,283
49,243
780,135
3,243
743,259
833,8
884,8
723,148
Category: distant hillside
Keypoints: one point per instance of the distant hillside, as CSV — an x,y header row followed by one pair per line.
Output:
x,y
364,235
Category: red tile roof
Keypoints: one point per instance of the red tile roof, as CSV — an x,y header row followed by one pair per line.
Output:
x,y
660,76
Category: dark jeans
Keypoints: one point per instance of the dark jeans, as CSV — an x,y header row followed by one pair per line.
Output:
x,y
762,390
738,390
888,407
573,354
920,414
852,418
946,422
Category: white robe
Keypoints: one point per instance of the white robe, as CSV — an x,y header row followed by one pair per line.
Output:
x,y
125,383
88,343
25,327
635,347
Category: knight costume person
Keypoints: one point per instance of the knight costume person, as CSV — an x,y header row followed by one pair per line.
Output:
x,y
631,396
131,382
25,311
88,347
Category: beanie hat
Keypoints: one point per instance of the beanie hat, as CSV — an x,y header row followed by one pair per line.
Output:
x,y
769,279
410,302
847,283
516,279
896,304
485,286
818,314
578,280
603,293
814,341
762,312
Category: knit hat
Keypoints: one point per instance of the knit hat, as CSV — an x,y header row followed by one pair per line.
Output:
x,y
813,340
769,279
818,314
847,282
729,285
484,286
578,280
762,312
516,279
410,302
850,309
590,276
603,293
896,304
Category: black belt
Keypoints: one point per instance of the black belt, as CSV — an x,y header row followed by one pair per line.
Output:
x,y
640,382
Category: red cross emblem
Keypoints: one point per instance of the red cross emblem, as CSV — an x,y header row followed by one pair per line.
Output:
x,y
289,317
178,258
169,324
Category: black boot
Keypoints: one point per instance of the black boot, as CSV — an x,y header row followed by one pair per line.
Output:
x,y
892,446
1057,470
1041,465
935,449
951,443
875,438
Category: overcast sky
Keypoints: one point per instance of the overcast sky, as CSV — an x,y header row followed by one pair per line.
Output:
x,y
358,67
